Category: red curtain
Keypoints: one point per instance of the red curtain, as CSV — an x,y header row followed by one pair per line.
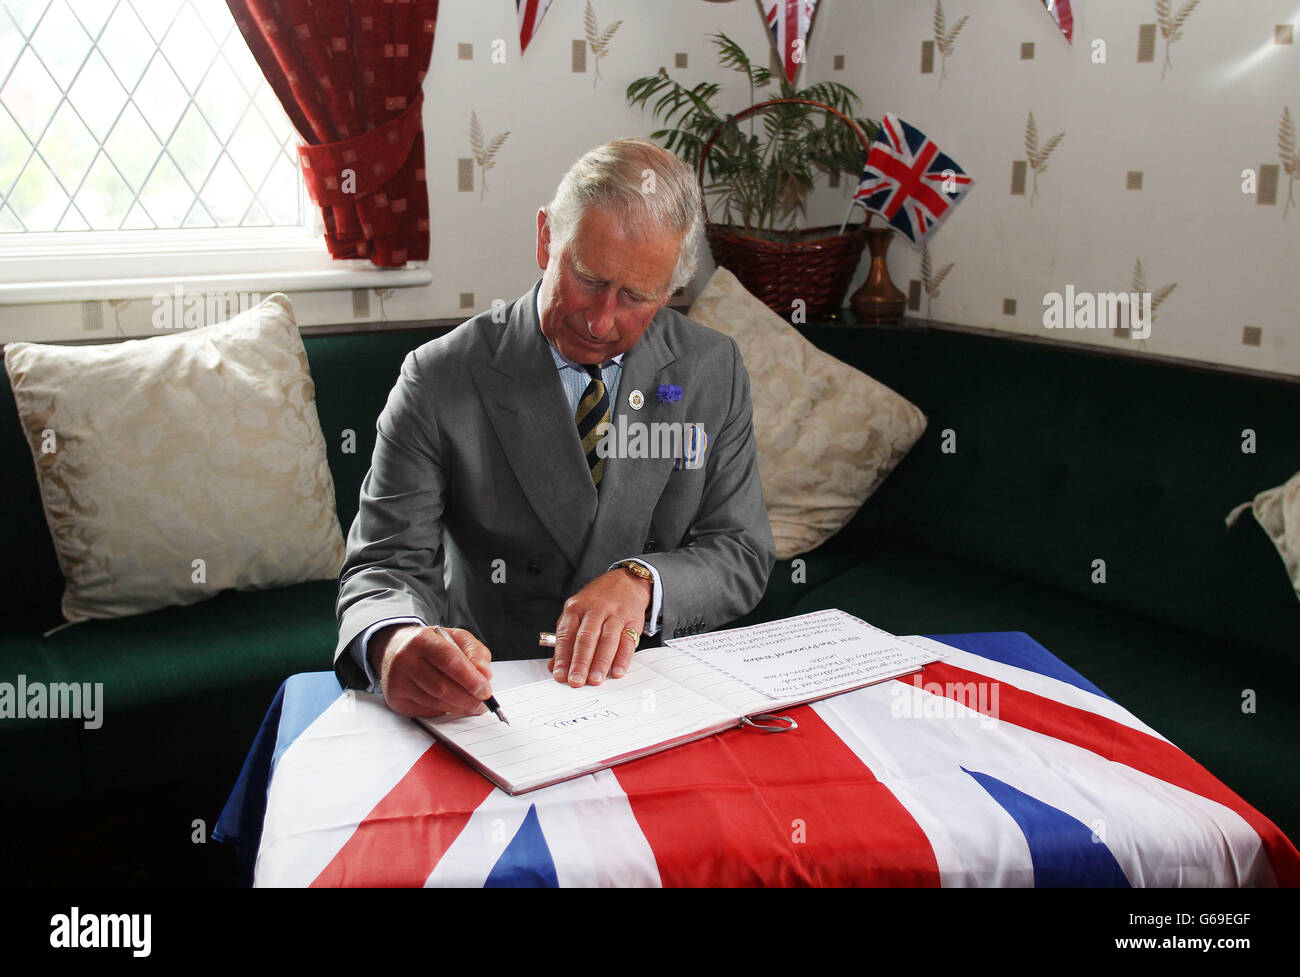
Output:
x,y
349,74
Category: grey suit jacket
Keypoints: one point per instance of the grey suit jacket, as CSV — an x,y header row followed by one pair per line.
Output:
x,y
479,509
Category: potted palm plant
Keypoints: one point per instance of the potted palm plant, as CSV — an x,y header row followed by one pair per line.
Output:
x,y
757,169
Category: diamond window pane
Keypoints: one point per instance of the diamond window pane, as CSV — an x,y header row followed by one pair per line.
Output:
x,y
144,114
68,147
157,15
97,96
167,196
133,147
127,46
222,100
17,149
189,48
11,42
61,43
226,195
194,148
26,13
37,199
104,199
93,14
280,192
73,221
8,222
161,98
30,95
253,148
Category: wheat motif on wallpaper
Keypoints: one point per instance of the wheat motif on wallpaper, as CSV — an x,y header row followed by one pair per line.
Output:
x,y
1171,26
1290,159
1037,157
945,40
1140,288
597,39
484,154
929,281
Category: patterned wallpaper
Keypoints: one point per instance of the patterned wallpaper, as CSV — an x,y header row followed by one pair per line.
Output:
x,y
1155,155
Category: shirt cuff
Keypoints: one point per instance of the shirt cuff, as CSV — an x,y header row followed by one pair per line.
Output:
x,y
361,643
656,597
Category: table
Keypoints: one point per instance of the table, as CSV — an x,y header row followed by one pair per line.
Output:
x,y
998,766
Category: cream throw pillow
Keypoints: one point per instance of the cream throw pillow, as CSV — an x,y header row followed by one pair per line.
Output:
x,y
1277,510
154,454
827,434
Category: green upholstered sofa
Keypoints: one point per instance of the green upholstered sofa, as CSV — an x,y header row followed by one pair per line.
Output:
x,y
1063,456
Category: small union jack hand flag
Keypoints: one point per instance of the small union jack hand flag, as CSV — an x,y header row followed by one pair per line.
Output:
x,y
909,181
790,21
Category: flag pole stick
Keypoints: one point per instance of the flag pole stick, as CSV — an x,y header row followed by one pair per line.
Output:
x,y
845,222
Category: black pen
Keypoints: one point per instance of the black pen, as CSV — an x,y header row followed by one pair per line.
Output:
x,y
490,701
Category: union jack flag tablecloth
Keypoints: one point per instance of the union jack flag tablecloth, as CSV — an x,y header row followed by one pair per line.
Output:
x,y
909,181
998,766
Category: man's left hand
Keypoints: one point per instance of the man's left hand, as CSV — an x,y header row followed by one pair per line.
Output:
x,y
591,639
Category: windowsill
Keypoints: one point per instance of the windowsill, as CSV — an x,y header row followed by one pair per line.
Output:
x,y
299,280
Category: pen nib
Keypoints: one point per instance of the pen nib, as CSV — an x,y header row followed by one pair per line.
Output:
x,y
502,716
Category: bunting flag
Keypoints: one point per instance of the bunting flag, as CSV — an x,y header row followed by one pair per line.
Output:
x,y
530,16
909,181
1063,15
998,766
790,21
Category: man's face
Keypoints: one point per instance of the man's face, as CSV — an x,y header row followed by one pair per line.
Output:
x,y
601,288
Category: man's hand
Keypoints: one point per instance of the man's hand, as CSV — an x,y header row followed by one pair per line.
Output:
x,y
423,673
590,637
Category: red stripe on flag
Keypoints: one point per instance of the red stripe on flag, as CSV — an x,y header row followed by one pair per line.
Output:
x,y
791,36
401,841
748,808
1122,744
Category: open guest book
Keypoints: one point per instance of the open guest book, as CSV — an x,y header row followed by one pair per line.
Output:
x,y
690,688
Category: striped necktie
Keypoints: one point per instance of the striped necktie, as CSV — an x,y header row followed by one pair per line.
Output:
x,y
593,411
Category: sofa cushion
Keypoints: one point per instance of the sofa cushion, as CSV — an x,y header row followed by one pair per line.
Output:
x,y
175,467
1277,510
827,434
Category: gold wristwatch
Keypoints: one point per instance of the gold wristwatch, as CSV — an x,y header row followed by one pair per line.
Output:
x,y
631,566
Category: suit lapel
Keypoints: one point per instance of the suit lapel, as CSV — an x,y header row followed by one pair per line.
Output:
x,y
630,487
525,403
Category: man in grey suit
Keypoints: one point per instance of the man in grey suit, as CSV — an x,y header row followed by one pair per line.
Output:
x,y
494,508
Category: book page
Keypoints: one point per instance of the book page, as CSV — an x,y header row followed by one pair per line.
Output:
x,y
556,731
802,658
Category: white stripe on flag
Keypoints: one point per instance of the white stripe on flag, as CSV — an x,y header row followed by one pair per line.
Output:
x,y
327,781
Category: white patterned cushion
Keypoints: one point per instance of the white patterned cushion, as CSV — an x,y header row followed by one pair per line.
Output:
x,y
827,434
155,454
1277,510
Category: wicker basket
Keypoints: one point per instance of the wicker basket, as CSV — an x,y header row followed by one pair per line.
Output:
x,y
814,265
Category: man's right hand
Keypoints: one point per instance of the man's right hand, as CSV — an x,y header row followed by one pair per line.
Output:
x,y
424,673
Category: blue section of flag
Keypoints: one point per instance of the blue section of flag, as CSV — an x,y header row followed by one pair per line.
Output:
x,y
1065,851
527,861
1020,650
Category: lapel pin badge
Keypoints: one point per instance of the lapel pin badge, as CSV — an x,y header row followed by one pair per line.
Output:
x,y
636,400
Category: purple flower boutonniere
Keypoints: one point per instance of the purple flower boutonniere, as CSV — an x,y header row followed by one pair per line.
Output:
x,y
668,393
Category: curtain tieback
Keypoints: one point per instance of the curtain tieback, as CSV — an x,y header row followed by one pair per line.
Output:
x,y
372,157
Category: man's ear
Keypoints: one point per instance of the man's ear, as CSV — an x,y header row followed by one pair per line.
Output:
x,y
543,240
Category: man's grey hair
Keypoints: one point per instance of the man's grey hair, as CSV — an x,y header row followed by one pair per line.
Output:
x,y
646,186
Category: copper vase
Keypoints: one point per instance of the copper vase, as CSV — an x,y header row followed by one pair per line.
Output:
x,y
879,300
